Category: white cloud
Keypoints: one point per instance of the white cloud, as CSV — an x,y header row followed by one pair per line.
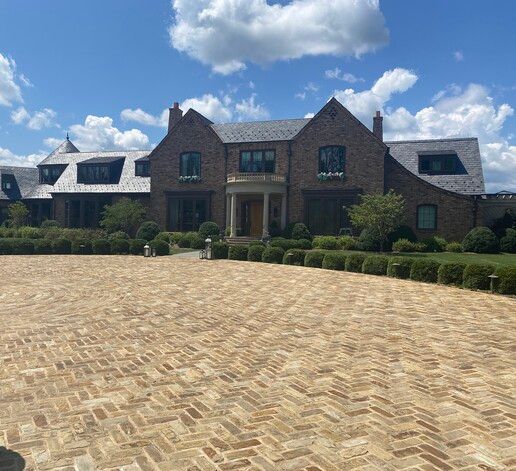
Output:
x,y
226,34
9,90
310,87
139,116
309,115
44,118
338,74
249,109
10,158
459,56
209,106
499,162
98,133
25,81
52,142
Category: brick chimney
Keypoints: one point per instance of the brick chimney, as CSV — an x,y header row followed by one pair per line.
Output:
x,y
175,114
378,126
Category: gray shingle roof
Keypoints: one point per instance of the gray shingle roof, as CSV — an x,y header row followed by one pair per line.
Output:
x,y
469,182
26,179
129,183
259,131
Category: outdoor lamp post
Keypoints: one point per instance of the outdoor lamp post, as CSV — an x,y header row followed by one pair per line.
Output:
x,y
153,252
208,248
146,250
492,283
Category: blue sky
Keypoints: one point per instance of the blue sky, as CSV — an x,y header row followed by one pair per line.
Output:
x,y
106,70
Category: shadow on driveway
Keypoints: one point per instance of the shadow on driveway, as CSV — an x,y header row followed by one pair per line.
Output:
x,y
10,460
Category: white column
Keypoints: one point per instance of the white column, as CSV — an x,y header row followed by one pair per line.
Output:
x,y
283,211
233,232
228,210
265,215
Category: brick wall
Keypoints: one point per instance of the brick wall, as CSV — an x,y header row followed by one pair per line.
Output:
x,y
455,213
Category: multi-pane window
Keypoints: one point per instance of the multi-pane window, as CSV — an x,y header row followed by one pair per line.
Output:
x,y
190,164
93,173
258,161
427,216
142,168
7,182
49,174
187,214
445,164
331,159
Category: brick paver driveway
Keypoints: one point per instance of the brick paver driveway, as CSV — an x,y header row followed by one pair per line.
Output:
x,y
128,363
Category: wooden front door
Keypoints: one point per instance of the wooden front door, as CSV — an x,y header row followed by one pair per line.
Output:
x,y
255,218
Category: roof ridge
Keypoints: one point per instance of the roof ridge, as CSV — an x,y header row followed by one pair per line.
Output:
x,y
440,139
262,121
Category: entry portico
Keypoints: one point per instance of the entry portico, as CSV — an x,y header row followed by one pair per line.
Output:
x,y
254,191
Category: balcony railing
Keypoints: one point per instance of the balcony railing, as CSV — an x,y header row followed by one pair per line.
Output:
x,y
256,177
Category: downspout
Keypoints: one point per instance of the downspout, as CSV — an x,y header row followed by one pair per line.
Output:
x,y
225,180
475,210
289,154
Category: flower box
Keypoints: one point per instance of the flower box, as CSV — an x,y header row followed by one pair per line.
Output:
x,y
325,176
189,179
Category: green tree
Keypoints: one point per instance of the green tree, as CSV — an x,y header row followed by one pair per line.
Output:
x,y
18,214
379,214
125,215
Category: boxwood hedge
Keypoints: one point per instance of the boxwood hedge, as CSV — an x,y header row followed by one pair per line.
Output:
x,y
399,267
61,246
506,283
314,259
354,262
294,257
476,276
451,274
255,252
334,261
375,265
42,246
273,255
424,270
238,252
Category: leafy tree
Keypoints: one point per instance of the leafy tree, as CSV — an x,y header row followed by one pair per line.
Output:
x,y
379,214
18,214
125,215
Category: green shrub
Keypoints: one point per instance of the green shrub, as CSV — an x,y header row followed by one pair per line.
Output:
x,y
287,244
399,267
49,223
347,242
405,245
434,244
334,261
148,231
119,247
118,235
238,252
220,250
174,237
27,232
314,259
61,246
300,231
369,241
82,247
6,246
402,232
187,239
481,240
294,257
255,253
287,232
136,246
160,246
453,247
197,243
23,247
424,270
325,243
101,247
273,255
18,214
256,242
165,236
208,228
42,246
274,229
508,241
451,274
375,265
124,215
506,283
476,276
7,232
354,262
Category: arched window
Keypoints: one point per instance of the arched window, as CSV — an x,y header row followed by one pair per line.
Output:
x,y
332,159
427,216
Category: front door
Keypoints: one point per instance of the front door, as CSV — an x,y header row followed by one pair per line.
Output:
x,y
255,218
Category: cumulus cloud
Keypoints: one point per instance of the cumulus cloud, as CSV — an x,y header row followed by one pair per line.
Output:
x,y
210,106
139,116
9,90
338,74
249,109
44,118
459,56
98,133
8,157
227,34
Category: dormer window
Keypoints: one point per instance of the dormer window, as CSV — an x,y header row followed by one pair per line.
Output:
x,y
8,182
101,170
142,168
440,164
49,174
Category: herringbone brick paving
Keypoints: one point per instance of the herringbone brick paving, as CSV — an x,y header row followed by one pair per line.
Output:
x,y
169,364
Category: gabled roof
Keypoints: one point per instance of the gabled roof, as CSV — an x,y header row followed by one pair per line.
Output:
x,y
104,159
469,182
26,179
65,147
259,131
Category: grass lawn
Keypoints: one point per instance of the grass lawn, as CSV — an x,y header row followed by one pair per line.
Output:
x,y
498,260
176,250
